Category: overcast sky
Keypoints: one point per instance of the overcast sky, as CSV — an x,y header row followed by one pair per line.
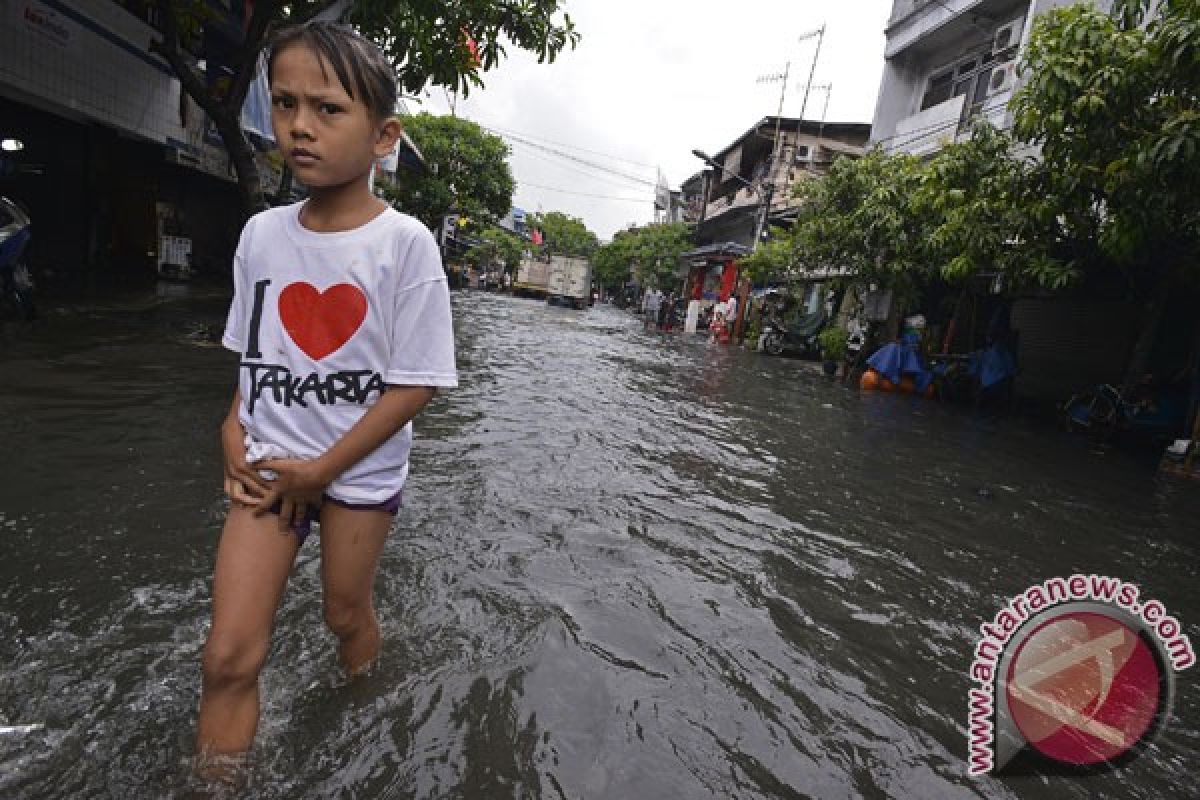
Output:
x,y
651,80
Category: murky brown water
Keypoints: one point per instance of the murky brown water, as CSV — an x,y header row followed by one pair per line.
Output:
x,y
630,566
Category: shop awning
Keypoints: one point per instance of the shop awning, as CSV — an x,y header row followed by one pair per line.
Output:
x,y
716,252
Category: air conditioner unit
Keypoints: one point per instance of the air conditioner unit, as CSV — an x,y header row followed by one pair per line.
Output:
x,y
1008,35
1002,78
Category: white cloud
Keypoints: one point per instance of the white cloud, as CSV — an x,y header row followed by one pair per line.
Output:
x,y
651,80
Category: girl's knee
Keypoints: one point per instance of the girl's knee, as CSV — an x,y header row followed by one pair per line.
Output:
x,y
230,661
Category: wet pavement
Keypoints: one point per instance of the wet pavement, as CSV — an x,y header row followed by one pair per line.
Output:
x,y
631,565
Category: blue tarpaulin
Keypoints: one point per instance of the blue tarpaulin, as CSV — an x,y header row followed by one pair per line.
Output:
x,y
992,365
894,361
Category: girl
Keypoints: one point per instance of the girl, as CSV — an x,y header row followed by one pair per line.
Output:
x,y
341,318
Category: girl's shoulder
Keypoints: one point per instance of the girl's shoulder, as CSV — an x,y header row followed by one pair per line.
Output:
x,y
405,227
270,221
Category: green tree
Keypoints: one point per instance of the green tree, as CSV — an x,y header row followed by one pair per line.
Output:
x,y
982,215
496,246
468,172
426,42
772,260
650,253
1112,101
863,216
564,235
902,222
613,262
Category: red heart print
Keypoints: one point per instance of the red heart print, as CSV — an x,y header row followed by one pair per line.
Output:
x,y
321,322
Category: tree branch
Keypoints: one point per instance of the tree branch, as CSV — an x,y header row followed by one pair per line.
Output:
x,y
168,47
265,11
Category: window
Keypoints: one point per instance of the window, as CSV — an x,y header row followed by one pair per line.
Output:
x,y
939,91
802,152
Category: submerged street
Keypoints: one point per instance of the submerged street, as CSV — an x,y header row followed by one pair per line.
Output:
x,y
630,565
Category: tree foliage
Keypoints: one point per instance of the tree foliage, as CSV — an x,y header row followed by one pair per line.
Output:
x,y
1113,103
496,246
1097,179
650,253
564,235
974,198
862,216
468,171
426,42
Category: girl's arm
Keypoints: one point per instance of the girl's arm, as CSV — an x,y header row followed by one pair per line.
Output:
x,y
300,483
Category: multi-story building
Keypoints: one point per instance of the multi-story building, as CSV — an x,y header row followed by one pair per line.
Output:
x,y
756,168
120,157
749,186
123,166
947,64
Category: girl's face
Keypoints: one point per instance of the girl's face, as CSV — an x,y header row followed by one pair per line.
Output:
x,y
328,138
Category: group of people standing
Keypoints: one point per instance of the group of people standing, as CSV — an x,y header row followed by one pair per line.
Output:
x,y
658,309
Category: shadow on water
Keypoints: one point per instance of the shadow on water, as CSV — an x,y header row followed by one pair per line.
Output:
x,y
631,565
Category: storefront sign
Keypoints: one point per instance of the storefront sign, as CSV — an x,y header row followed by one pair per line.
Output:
x,y
43,22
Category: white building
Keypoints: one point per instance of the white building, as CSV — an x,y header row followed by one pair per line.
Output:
x,y
123,161
948,63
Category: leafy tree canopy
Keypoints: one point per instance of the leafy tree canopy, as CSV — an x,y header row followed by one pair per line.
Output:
x,y
496,246
1113,104
650,253
861,216
468,172
426,42
563,234
1112,101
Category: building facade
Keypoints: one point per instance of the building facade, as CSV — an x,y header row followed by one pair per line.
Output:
x,y
120,159
757,170
948,63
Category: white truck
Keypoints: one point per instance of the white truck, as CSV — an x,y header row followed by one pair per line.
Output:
x,y
531,278
569,282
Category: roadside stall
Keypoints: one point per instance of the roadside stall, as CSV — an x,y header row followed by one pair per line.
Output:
x,y
710,277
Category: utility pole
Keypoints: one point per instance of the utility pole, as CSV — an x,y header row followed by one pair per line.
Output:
x,y
828,89
768,187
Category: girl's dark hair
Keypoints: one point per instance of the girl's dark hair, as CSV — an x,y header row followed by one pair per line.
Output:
x,y
361,66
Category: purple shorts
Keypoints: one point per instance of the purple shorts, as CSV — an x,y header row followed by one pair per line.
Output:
x,y
303,528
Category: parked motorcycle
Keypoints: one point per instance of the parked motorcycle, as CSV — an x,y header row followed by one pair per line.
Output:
x,y
799,338
16,284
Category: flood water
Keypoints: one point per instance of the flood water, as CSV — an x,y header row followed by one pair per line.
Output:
x,y
631,565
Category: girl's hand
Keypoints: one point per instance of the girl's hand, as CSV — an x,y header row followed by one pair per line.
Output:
x,y
298,486
243,484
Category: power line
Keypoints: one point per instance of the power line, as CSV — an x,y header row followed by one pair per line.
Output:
x,y
503,131
577,159
584,194
623,184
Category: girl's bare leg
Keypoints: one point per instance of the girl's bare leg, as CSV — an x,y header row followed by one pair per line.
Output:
x,y
351,542
253,562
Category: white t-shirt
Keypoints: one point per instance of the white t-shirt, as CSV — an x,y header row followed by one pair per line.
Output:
x,y
323,321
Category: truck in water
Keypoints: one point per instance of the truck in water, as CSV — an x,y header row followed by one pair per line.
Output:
x,y
569,282
531,278
563,280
